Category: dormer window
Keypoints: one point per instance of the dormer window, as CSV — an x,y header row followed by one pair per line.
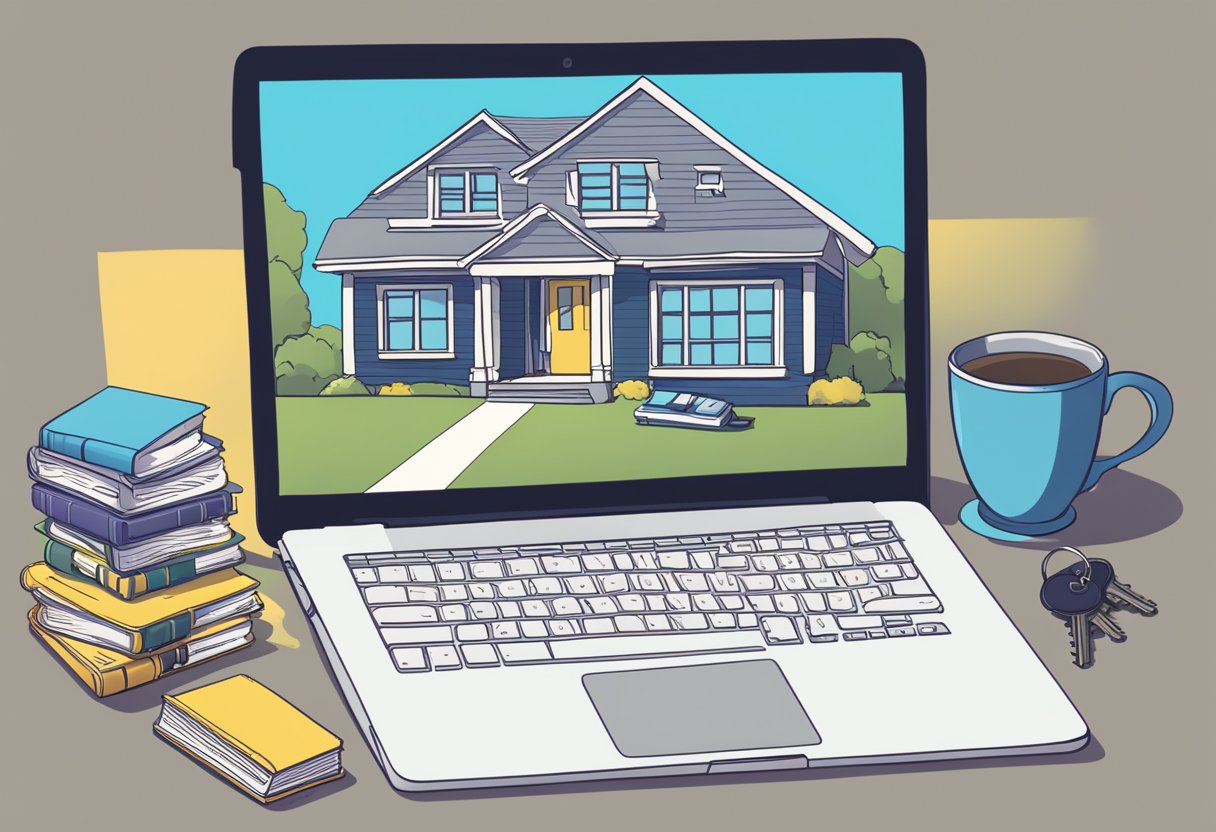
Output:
x,y
709,179
466,192
614,193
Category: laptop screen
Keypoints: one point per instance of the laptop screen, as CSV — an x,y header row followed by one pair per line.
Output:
x,y
560,280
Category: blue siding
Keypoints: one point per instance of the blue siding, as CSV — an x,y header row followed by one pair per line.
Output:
x,y
829,315
511,339
631,336
371,369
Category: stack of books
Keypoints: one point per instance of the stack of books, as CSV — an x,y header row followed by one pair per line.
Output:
x,y
136,578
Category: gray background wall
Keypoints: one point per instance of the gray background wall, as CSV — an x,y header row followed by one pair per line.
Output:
x,y
114,135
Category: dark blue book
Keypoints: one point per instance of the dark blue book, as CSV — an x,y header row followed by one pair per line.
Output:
x,y
122,530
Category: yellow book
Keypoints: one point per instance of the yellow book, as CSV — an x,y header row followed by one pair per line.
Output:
x,y
250,736
108,672
80,609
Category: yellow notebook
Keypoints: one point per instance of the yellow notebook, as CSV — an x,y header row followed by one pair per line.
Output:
x,y
81,609
108,672
229,724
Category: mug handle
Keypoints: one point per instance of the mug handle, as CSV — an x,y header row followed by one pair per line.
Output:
x,y
1161,411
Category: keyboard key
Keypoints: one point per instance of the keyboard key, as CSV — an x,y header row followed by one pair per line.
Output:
x,y
764,563
481,591
858,635
566,606
932,628
479,655
525,652
487,569
689,621
917,586
909,570
673,560
788,562
656,622
787,604
854,577
818,543
509,609
908,603
858,622
732,562
741,546
483,610
896,632
472,632
722,621
658,644
823,580
598,626
614,582
413,614
747,621
679,602
869,593
705,603
631,603
731,602
385,595
622,561
703,560
597,563
416,635
836,560
837,541
867,555
522,567
810,561
410,658
822,628
545,586
887,572
629,623
779,630
394,574
423,573
565,627
645,560
535,609
692,582
443,657
792,580
504,629
453,592
656,602
451,612
559,565
647,581
511,589
814,601
768,545
723,582
364,575
758,583
761,603
423,594
600,605
534,629
840,601
581,585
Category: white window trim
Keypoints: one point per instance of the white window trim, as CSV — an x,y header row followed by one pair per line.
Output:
x,y
382,335
468,216
720,187
617,218
775,370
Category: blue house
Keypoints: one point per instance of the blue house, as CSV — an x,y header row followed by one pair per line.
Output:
x,y
546,259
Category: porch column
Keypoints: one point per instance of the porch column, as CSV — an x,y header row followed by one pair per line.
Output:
x,y
601,328
485,335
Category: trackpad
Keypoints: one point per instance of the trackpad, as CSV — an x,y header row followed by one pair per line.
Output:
x,y
706,708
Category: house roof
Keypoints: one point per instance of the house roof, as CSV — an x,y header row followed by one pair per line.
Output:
x,y
538,133
541,232
368,239
482,118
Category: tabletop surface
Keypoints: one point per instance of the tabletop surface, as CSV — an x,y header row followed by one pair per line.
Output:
x,y
1092,112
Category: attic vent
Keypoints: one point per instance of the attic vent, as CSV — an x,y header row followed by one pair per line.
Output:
x,y
709,180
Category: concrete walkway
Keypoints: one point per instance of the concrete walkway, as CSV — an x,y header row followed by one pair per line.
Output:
x,y
437,464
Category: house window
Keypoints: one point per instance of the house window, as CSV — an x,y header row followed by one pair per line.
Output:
x,y
717,325
467,192
709,179
613,186
415,321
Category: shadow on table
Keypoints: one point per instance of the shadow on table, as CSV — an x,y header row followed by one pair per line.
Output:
x,y
1123,506
1090,753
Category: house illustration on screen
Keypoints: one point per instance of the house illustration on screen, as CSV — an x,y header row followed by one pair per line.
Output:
x,y
546,259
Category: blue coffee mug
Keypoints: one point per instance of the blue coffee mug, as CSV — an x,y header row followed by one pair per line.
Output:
x,y
1029,450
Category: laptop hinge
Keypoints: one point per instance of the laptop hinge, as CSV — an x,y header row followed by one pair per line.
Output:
x,y
793,761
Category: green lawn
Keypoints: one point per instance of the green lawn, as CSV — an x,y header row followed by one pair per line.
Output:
x,y
344,444
581,443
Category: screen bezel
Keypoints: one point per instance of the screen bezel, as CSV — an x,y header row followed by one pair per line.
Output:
x,y
277,513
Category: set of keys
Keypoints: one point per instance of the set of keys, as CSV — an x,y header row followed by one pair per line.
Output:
x,y
1084,595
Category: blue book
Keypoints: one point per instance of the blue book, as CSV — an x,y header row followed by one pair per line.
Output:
x,y
688,410
126,430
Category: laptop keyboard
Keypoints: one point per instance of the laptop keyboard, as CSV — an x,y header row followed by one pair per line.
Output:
x,y
628,599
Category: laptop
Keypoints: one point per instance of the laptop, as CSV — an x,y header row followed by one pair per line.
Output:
x,y
469,267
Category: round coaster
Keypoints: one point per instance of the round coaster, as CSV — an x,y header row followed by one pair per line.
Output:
x,y
977,518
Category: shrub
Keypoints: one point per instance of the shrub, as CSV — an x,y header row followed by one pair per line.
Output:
x,y
434,388
346,386
876,301
397,388
838,391
866,359
632,389
304,364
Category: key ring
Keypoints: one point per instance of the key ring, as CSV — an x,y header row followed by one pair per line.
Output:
x,y
1075,586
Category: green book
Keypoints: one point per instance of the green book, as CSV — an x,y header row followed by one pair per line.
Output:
x,y
127,585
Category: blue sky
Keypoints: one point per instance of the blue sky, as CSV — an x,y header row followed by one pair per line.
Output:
x,y
326,144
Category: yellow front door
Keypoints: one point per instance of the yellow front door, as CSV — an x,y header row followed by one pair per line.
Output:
x,y
570,327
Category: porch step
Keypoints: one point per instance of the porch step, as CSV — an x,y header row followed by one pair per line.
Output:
x,y
541,393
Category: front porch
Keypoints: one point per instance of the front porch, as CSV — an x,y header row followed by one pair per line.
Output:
x,y
550,389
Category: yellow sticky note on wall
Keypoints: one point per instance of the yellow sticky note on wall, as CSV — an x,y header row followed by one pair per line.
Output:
x,y
175,324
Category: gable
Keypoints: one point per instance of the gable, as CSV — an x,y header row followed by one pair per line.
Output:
x,y
541,234
406,198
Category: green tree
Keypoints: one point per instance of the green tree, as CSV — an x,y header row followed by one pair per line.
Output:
x,y
346,386
305,364
876,304
285,243
866,359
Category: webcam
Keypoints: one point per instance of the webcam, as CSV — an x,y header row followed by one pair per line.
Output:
x,y
567,63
